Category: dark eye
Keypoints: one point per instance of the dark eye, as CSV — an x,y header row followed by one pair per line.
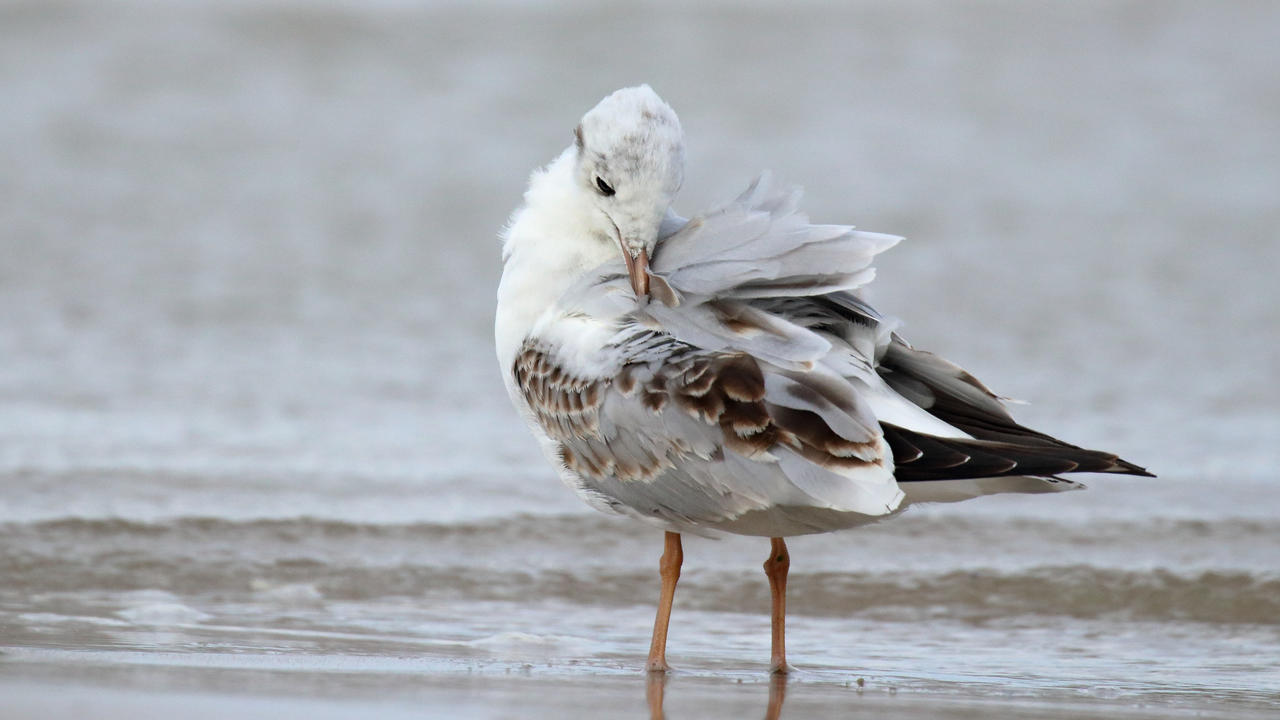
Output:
x,y
605,190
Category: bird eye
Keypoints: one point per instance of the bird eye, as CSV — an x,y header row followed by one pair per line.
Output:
x,y
604,188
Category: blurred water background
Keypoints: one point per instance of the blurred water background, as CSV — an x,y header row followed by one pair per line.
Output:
x,y
250,416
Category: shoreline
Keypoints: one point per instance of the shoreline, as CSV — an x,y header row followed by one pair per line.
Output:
x,y
56,683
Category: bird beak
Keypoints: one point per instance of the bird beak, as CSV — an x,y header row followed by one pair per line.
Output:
x,y
638,269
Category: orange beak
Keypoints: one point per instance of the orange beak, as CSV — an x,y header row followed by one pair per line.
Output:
x,y
638,269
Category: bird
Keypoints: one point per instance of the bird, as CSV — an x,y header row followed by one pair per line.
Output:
x,y
723,373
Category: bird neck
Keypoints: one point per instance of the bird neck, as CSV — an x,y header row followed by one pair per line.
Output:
x,y
551,241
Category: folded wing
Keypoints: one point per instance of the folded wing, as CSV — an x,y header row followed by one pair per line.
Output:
x,y
755,392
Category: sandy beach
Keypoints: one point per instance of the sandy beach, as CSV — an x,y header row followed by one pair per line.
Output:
x,y
77,684
256,459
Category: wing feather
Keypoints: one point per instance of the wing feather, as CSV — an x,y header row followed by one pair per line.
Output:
x,y
699,438
761,241
755,393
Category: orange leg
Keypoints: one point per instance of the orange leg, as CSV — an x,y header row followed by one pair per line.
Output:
x,y
776,569
669,569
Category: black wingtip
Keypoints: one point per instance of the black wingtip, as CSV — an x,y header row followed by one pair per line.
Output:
x,y
1125,467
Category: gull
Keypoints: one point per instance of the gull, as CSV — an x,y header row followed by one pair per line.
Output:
x,y
721,374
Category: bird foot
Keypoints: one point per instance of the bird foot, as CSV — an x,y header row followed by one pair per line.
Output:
x,y
659,666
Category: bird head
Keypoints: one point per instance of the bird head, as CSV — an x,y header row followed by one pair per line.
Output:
x,y
630,162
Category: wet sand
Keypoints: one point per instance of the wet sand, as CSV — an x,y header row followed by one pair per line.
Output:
x,y
77,685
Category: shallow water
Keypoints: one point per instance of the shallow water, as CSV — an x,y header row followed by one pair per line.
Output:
x,y
250,419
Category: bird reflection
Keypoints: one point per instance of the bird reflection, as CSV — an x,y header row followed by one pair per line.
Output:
x,y
777,691
655,692
656,687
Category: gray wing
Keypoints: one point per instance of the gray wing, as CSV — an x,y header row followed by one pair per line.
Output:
x,y
705,276
701,439
753,392
761,245
805,279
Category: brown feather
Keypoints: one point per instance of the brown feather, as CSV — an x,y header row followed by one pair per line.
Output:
x,y
725,390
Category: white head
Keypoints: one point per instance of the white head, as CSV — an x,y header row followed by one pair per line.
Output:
x,y
631,163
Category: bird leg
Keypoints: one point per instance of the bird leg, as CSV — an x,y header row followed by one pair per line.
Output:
x,y
776,569
669,569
